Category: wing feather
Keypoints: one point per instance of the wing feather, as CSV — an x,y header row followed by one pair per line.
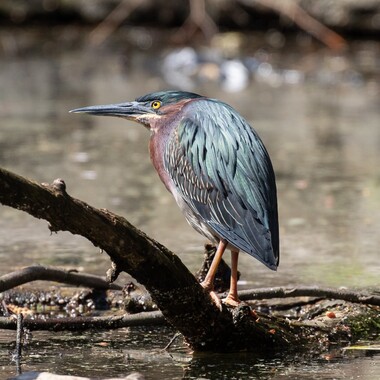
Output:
x,y
223,172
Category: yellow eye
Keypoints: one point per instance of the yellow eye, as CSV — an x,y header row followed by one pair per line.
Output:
x,y
155,104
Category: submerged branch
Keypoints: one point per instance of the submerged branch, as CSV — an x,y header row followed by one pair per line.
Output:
x,y
39,272
85,323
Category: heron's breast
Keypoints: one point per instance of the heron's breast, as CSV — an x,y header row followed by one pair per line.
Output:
x,y
157,146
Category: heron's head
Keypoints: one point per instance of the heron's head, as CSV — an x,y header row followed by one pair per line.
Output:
x,y
148,110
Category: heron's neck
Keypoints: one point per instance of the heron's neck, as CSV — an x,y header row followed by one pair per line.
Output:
x,y
157,145
161,131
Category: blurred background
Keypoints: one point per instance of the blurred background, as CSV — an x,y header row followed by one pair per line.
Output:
x,y
304,73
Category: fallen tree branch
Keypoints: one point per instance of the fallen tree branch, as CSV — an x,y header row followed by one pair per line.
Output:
x,y
173,288
39,272
183,302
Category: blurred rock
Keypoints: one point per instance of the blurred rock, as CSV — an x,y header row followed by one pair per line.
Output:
x,y
234,76
179,66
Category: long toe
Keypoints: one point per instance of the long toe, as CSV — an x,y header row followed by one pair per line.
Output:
x,y
231,301
216,300
206,285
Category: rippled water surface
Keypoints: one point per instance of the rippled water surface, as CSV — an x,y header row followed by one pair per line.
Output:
x,y
104,354
323,134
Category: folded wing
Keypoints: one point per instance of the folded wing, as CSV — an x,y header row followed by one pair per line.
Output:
x,y
223,172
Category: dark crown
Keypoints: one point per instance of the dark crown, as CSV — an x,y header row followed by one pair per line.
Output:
x,y
167,97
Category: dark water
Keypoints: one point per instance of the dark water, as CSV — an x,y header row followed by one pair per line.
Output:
x,y
318,114
106,354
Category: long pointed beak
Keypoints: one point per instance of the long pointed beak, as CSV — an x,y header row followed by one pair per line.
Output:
x,y
130,110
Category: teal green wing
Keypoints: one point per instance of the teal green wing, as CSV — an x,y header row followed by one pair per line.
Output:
x,y
221,169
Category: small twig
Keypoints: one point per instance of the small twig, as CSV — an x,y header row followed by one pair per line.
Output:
x,y
172,340
38,272
19,336
4,308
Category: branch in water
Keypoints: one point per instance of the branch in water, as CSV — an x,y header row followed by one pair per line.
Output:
x,y
39,272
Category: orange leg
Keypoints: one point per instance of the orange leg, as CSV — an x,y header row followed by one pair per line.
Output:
x,y
208,282
232,299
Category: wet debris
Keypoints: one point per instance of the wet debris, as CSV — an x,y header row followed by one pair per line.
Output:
x,y
137,299
68,302
56,302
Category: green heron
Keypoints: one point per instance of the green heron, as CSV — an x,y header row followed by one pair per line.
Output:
x,y
217,169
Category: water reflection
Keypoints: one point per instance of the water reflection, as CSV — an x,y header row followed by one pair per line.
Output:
x,y
121,352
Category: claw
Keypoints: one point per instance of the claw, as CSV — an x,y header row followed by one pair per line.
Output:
x,y
208,287
231,301
216,300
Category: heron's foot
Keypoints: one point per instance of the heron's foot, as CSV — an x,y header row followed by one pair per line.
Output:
x,y
231,300
216,300
207,285
210,288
